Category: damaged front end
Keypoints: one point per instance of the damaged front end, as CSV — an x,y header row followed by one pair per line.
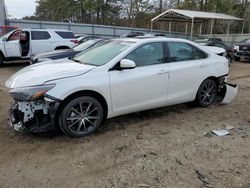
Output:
x,y
32,110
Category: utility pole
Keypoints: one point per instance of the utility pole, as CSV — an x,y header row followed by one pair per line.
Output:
x,y
3,15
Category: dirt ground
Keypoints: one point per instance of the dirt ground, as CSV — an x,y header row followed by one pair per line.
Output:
x,y
166,147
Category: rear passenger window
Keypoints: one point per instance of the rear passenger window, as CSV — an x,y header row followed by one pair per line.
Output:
x,y
40,35
180,51
65,34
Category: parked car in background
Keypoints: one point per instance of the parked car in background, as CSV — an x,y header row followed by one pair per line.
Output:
x,y
215,39
118,77
21,44
83,38
229,49
59,54
6,29
242,50
216,42
132,34
155,35
205,40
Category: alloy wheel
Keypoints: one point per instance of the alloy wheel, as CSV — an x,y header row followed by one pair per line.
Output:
x,y
83,118
208,93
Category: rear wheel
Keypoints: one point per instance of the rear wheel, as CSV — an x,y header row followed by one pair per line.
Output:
x,y
81,116
206,93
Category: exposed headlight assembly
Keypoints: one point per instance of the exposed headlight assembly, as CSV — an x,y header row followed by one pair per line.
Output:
x,y
30,93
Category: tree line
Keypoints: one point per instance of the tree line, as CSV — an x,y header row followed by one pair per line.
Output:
x,y
133,13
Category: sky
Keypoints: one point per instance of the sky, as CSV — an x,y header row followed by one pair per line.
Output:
x,y
20,8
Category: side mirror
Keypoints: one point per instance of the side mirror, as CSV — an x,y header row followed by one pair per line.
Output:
x,y
127,64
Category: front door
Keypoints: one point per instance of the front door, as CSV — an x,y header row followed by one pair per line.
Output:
x,y
143,87
12,45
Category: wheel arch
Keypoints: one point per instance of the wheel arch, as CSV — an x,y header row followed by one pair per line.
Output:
x,y
1,53
214,78
80,93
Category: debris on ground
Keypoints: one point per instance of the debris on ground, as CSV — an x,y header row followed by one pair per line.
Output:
x,y
221,132
120,148
208,134
203,178
125,134
139,136
143,185
229,127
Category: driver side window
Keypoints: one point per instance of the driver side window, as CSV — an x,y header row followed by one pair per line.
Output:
x,y
15,36
147,54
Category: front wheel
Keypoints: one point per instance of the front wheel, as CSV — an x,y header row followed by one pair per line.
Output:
x,y
81,116
206,93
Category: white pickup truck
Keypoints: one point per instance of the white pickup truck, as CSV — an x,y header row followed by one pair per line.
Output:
x,y
20,44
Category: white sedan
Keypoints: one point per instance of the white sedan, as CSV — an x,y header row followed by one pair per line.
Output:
x,y
118,77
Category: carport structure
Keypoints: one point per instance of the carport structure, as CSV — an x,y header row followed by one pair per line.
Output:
x,y
187,16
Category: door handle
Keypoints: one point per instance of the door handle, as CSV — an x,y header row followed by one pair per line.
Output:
x,y
162,71
203,65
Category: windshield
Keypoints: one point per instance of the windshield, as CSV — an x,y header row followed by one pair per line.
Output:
x,y
103,53
84,45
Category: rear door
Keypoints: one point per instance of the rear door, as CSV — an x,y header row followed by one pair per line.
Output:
x,y
188,68
12,45
40,42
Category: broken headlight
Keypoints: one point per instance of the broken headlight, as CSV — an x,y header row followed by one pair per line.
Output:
x,y
30,93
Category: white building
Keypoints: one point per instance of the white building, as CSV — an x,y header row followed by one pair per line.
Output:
x,y
3,16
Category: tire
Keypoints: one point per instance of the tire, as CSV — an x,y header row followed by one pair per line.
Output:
x,y
236,58
1,60
81,116
207,93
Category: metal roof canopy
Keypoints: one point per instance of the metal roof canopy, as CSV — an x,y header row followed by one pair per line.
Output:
x,y
178,15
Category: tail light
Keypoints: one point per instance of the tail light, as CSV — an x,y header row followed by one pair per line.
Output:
x,y
74,41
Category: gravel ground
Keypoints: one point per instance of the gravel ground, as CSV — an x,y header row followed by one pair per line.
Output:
x,y
166,147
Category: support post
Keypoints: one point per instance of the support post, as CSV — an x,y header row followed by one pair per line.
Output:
x,y
201,28
211,29
228,27
243,25
186,29
169,26
192,27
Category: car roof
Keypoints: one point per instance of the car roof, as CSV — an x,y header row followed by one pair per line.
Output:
x,y
150,39
63,30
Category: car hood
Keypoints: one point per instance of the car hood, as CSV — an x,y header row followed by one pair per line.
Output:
x,y
38,74
52,53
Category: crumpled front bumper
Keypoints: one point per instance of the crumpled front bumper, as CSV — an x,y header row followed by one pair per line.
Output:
x,y
33,116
